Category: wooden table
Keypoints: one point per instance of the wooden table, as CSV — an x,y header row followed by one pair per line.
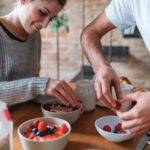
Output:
x,y
83,134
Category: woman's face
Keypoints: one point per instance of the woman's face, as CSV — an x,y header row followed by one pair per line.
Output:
x,y
35,15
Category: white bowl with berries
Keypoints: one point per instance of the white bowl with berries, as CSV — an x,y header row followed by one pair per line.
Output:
x,y
110,128
44,134
55,108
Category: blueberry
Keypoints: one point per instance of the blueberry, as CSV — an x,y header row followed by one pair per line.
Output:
x,y
115,131
62,105
48,131
49,104
34,130
52,129
40,134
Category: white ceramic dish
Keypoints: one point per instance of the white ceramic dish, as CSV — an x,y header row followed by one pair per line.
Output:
x,y
112,121
71,117
55,144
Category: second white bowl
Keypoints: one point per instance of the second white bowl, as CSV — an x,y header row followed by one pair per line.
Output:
x,y
71,117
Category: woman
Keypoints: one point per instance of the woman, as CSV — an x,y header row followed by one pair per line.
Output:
x,y
20,52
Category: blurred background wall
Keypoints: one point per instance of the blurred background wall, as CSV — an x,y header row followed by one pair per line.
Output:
x,y
137,68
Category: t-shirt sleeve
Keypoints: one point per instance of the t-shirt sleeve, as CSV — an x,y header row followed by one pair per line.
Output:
x,y
119,13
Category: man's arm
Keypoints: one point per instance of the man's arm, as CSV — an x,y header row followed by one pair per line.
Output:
x,y
90,40
105,75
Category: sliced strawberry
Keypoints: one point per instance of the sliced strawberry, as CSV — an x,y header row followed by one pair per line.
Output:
x,y
31,136
118,107
107,128
51,125
118,127
29,129
36,123
42,127
52,111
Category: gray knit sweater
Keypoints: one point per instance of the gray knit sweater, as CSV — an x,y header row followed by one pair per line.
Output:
x,y
19,68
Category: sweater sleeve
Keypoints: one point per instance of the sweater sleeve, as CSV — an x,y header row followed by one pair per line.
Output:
x,y
22,90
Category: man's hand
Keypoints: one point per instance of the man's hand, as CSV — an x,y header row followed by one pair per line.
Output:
x,y
105,79
62,91
137,120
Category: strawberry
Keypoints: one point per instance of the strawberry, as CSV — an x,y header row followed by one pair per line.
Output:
x,y
51,125
46,106
107,128
53,111
124,132
64,128
42,126
35,123
31,136
118,127
118,106
29,129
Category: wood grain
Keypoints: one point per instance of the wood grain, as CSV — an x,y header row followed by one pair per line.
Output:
x,y
83,134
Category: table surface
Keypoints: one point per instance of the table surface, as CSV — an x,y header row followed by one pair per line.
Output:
x,y
83,134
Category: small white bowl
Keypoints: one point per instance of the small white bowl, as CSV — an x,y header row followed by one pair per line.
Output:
x,y
55,144
71,117
112,121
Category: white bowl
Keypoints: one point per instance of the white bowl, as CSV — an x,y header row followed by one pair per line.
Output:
x,y
71,117
55,144
112,121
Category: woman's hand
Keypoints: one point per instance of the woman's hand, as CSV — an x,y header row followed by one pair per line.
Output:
x,y
137,120
105,79
62,91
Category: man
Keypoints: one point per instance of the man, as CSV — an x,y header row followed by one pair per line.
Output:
x,y
120,14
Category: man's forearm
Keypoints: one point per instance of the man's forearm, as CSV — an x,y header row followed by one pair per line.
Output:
x,y
91,45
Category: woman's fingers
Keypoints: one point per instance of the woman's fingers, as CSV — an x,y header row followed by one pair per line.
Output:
x,y
70,91
61,98
67,96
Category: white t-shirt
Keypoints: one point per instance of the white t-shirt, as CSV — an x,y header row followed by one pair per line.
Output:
x,y
126,13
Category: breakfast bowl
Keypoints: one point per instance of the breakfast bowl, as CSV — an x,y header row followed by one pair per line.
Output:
x,y
56,139
109,127
70,116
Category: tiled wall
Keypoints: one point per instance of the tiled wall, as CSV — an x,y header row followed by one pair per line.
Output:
x,y
137,69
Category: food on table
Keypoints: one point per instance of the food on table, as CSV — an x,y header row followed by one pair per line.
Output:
x,y
124,80
136,89
107,128
59,108
118,129
118,105
40,131
123,132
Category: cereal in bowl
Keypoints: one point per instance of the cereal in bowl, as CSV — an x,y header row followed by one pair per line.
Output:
x,y
59,108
